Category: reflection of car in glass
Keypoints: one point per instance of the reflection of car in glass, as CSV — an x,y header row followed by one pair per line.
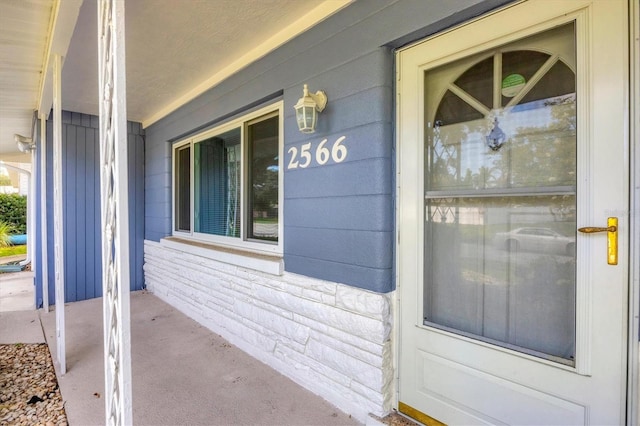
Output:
x,y
535,239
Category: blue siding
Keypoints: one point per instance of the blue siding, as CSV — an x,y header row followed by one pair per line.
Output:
x,y
81,208
342,213
338,218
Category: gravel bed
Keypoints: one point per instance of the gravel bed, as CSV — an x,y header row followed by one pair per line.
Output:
x,y
29,393
396,419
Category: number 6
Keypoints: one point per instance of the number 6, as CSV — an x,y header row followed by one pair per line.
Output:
x,y
339,152
322,153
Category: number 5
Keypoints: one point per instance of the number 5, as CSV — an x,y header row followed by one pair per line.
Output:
x,y
304,153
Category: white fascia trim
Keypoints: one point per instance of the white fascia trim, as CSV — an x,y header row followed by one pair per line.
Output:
x,y
325,9
64,15
270,264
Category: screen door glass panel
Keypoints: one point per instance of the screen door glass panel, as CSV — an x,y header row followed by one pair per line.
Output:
x,y
500,204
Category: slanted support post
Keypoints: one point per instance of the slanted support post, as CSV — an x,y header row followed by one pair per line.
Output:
x,y
58,241
114,211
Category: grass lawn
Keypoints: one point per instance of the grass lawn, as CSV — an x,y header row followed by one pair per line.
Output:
x,y
13,250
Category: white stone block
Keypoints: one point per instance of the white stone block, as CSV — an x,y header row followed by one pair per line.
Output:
x,y
285,313
301,361
363,302
348,348
354,324
222,296
241,284
221,318
328,299
279,325
218,304
310,283
292,289
270,282
366,345
312,295
246,274
364,373
250,336
371,395
295,346
342,397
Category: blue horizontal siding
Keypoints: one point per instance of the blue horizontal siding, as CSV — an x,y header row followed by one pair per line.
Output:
x,y
338,218
364,177
358,276
340,213
360,248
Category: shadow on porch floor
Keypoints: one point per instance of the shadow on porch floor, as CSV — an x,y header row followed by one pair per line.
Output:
x,y
182,373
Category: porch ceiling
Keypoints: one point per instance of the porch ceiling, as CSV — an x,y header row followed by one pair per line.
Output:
x,y
24,29
175,50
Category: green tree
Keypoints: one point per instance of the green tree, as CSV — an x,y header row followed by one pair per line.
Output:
x,y
5,180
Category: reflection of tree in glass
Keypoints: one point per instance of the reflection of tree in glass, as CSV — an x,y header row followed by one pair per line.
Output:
x,y
486,177
445,146
563,209
541,155
452,147
265,185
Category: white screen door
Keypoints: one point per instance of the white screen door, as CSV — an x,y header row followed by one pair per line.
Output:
x,y
511,137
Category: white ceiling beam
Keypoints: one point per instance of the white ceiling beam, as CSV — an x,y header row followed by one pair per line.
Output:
x,y
63,21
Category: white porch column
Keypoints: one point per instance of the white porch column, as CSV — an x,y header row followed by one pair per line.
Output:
x,y
44,270
115,211
31,215
58,242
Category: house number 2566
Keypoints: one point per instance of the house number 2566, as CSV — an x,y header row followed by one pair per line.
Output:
x,y
323,154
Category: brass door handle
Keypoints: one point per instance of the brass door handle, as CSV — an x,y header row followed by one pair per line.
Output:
x,y
612,238
594,229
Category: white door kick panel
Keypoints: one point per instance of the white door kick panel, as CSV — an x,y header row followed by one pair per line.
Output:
x,y
457,385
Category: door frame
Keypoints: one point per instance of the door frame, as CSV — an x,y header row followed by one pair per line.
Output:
x,y
633,392
633,374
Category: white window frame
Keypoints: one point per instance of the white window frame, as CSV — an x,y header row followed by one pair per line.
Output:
x,y
243,243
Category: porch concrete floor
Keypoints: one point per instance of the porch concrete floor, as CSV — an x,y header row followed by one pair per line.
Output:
x,y
17,292
182,373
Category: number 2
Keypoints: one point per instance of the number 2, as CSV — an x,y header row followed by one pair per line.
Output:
x,y
293,163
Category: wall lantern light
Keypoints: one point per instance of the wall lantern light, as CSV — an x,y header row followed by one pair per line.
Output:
x,y
24,143
307,109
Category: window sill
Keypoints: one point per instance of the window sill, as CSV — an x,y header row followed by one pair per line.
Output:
x,y
268,263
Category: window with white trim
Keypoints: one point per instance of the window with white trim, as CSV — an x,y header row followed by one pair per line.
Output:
x,y
227,183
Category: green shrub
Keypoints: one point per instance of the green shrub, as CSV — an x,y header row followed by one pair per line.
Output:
x,y
5,231
13,211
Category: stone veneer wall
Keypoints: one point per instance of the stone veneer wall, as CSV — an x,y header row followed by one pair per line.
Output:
x,y
331,338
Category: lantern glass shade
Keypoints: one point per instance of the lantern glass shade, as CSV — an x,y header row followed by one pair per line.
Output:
x,y
307,109
306,117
